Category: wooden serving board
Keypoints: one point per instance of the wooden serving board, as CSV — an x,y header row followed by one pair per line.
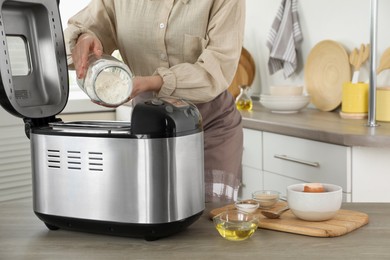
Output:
x,y
344,222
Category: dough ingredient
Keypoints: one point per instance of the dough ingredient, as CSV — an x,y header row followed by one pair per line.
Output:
x,y
111,88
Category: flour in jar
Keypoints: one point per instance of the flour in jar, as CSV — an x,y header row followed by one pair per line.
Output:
x,y
111,88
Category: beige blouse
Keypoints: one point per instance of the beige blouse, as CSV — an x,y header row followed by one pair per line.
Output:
x,y
194,45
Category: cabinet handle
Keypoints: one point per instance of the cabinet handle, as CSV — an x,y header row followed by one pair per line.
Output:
x,y
286,158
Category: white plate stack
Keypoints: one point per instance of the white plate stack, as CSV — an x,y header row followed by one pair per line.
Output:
x,y
285,99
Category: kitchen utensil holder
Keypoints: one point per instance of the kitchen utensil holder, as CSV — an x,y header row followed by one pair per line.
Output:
x,y
383,104
354,98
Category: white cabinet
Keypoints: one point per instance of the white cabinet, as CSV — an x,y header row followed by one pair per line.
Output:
x,y
371,174
15,159
252,180
273,181
252,163
295,160
274,161
253,146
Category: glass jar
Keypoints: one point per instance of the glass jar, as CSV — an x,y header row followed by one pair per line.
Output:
x,y
107,81
243,100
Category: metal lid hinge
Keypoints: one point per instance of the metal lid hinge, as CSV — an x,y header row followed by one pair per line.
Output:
x,y
30,123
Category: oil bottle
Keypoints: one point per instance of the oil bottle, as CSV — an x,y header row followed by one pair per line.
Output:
x,y
243,100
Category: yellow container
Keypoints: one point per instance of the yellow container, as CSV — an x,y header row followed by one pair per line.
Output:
x,y
383,104
354,98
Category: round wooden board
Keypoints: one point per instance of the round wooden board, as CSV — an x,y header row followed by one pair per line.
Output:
x,y
247,61
245,73
327,68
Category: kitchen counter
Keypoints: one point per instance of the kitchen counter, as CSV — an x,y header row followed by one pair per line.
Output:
x,y
320,126
24,236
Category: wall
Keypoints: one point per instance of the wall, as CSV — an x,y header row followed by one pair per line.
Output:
x,y
69,8
345,21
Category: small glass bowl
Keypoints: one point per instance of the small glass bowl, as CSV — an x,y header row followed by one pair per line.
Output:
x,y
266,198
235,225
248,206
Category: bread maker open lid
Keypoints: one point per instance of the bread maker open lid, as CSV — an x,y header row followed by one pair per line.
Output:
x,y
33,66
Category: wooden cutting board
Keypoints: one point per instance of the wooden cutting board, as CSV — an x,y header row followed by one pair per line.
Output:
x,y
344,222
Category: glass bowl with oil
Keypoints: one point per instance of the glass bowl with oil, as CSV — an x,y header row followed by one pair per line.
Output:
x,y
235,225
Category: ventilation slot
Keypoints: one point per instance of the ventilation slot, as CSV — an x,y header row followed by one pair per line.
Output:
x,y
95,161
53,159
74,160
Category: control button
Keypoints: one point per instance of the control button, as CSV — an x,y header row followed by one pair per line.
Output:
x,y
186,112
193,113
157,102
169,109
162,25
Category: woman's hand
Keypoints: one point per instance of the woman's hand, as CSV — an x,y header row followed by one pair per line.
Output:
x,y
86,44
89,44
148,83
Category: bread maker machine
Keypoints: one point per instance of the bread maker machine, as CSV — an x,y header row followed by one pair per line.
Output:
x,y
142,178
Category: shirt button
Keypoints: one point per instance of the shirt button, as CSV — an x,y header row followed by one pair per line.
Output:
x,y
163,56
162,25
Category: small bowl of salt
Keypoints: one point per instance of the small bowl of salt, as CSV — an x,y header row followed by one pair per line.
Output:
x,y
248,206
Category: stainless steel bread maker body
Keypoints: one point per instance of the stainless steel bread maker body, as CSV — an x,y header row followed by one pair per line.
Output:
x,y
140,179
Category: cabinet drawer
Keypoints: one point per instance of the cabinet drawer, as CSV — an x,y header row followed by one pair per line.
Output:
x,y
277,182
371,176
252,180
252,155
307,160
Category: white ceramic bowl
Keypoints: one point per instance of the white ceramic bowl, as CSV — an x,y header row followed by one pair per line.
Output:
x,y
283,98
314,206
286,90
284,104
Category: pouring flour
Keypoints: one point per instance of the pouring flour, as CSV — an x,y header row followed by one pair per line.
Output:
x,y
108,81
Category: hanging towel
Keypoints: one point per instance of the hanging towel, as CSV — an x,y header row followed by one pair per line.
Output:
x,y
284,39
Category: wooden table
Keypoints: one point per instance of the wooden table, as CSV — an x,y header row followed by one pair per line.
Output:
x,y
24,236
